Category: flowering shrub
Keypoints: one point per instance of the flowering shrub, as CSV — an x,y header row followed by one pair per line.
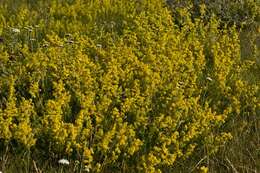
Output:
x,y
117,85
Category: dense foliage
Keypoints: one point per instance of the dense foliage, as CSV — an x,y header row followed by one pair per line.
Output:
x,y
119,85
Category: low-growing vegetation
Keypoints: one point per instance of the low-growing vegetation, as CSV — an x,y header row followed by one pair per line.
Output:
x,y
129,86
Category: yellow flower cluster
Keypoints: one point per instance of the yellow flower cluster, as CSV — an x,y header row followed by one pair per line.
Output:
x,y
118,84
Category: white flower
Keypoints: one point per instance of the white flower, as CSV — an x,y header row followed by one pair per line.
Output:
x,y
208,78
1,172
64,162
16,30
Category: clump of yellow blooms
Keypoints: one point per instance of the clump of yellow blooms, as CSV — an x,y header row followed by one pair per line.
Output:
x,y
118,84
204,169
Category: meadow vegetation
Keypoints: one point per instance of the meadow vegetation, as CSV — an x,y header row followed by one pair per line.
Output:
x,y
129,86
